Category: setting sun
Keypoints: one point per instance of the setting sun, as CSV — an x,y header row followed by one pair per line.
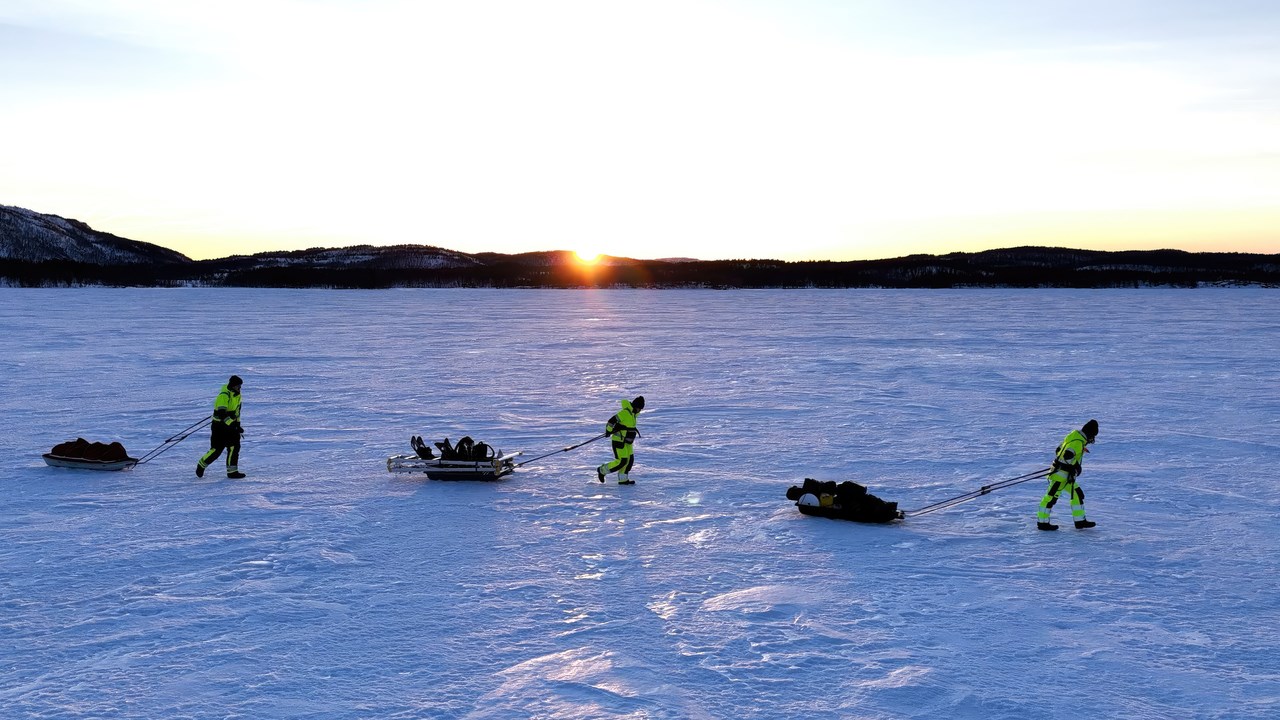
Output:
x,y
588,257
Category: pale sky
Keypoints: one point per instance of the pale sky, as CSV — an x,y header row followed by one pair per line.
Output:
x,y
789,129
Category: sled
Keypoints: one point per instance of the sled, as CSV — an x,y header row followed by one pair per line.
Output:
x,y
441,469
837,512
845,501
87,464
81,454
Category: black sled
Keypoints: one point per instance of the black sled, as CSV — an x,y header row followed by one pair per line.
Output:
x,y
843,501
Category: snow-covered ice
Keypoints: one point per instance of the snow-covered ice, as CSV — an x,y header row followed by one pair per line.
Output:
x,y
324,587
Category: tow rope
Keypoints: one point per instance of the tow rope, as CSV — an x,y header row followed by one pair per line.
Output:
x,y
567,449
175,439
973,495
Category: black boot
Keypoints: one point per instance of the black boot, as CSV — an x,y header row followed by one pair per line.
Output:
x,y
1046,526
199,470
235,475
600,473
1085,524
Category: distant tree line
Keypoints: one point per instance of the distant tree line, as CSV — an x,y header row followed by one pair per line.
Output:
x,y
1018,267
61,273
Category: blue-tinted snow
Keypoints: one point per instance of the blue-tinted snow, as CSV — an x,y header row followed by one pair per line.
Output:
x,y
322,586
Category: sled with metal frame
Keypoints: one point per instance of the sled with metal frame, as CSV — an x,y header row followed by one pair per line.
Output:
x,y
437,468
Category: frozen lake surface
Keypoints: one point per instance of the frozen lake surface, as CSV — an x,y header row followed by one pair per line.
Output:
x,y
324,587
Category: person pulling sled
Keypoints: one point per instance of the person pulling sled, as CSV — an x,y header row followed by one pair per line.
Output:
x,y
1067,466
622,432
226,430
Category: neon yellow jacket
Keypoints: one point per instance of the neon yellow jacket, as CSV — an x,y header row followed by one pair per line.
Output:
x,y
1067,460
623,425
226,408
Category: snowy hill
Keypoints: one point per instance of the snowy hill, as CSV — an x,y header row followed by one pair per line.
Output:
x,y
356,266
30,236
29,241
394,257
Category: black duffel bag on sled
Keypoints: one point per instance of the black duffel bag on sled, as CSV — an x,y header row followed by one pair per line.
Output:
x,y
843,501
